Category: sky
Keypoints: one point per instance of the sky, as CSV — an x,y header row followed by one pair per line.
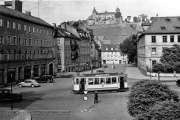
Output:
x,y
58,11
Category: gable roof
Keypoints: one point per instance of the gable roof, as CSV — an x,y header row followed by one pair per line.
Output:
x,y
64,33
164,25
116,48
20,15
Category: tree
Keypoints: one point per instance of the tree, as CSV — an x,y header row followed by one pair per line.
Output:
x,y
130,48
171,58
147,93
135,19
152,19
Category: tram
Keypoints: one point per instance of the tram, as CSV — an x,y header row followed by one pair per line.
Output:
x,y
100,82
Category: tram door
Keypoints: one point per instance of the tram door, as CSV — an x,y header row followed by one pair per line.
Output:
x,y
121,82
82,84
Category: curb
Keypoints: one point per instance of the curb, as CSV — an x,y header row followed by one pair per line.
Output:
x,y
152,79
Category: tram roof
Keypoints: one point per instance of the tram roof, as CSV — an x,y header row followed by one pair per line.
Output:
x,y
102,74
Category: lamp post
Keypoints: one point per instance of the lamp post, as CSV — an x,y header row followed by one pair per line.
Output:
x,y
150,68
158,75
11,78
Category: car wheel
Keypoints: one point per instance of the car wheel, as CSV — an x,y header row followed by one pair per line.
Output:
x,y
20,85
32,85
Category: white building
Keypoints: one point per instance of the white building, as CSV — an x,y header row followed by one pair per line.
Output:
x,y
111,54
163,32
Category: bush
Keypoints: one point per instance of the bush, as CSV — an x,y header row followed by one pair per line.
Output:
x,y
166,110
158,68
145,94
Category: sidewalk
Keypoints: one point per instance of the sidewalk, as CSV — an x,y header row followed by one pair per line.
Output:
x,y
134,73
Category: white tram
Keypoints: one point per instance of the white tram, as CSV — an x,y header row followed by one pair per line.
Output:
x,y
100,82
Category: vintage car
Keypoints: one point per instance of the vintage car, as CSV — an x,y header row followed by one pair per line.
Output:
x,y
5,95
45,78
29,83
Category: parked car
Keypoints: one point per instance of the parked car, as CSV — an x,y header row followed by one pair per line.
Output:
x,y
5,95
100,71
45,78
29,83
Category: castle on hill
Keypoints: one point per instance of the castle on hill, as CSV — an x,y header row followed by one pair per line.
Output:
x,y
105,17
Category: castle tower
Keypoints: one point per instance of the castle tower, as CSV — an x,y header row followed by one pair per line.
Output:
x,y
118,16
94,12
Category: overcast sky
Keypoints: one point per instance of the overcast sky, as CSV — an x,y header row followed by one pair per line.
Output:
x,y
58,11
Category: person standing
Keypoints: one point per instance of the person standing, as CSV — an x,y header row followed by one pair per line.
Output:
x,y
95,97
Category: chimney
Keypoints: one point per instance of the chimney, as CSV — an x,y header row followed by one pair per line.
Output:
x,y
15,5
28,13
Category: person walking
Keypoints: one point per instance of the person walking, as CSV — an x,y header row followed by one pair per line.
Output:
x,y
95,97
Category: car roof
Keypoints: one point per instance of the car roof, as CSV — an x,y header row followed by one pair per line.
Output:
x,y
4,89
30,80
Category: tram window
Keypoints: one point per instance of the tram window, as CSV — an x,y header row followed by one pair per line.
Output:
x,y
102,80
96,81
108,80
90,81
77,80
113,80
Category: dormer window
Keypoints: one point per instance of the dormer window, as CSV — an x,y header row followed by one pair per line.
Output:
x,y
177,27
163,28
168,19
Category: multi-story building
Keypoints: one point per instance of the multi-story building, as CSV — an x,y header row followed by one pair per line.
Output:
x,y
163,32
111,54
68,50
75,48
27,46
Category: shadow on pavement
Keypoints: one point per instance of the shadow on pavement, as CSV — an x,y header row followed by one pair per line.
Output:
x,y
28,98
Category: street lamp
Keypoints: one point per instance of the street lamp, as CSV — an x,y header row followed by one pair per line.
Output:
x,y
158,75
11,78
150,68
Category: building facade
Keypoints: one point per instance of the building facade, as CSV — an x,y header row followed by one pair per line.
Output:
x,y
163,32
75,48
27,46
111,54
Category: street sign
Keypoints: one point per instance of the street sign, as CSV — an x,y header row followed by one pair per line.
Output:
x,y
85,98
85,92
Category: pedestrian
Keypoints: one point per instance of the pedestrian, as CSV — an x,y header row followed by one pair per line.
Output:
x,y
178,82
95,97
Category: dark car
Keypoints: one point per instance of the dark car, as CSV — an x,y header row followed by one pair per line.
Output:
x,y
5,95
45,78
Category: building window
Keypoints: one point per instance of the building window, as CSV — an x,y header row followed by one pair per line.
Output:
x,y
111,48
153,62
153,38
19,41
8,24
178,38
41,31
14,42
9,40
106,48
29,42
1,39
1,22
164,38
19,26
25,41
47,32
153,51
29,29
37,30
14,25
59,41
172,38
25,28
33,29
